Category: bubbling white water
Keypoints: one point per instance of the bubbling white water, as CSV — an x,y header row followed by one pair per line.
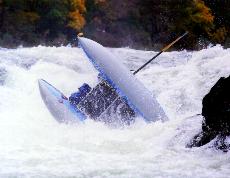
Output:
x,y
33,144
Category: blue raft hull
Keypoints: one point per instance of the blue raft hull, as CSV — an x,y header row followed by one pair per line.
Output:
x,y
59,105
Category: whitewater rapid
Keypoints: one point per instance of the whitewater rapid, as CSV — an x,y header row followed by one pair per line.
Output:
x,y
33,144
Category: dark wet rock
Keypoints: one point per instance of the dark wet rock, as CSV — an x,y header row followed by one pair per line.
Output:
x,y
216,113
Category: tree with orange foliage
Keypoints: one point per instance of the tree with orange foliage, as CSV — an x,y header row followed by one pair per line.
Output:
x,y
49,22
193,16
201,19
199,16
221,9
76,18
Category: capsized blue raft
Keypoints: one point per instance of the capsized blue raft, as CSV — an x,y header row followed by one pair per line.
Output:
x,y
119,87
140,99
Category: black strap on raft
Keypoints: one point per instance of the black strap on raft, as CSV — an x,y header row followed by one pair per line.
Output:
x,y
163,50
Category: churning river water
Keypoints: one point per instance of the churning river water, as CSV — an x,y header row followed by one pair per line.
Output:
x,y
33,144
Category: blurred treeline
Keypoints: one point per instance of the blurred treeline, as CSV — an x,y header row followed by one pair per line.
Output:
x,y
135,23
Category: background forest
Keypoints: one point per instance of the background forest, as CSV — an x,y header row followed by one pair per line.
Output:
x,y
142,24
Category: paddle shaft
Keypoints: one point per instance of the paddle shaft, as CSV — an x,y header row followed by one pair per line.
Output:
x,y
163,50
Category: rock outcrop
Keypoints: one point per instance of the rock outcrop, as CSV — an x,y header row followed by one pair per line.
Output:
x,y
216,113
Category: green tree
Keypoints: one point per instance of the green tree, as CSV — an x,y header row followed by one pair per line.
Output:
x,y
18,21
40,21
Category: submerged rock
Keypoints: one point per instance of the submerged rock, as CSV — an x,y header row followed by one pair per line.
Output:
x,y
216,113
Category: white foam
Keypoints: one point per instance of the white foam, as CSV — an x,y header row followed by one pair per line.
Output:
x,y
32,143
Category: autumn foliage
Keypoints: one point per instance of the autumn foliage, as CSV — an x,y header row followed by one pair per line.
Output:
x,y
76,18
31,22
153,23
135,23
